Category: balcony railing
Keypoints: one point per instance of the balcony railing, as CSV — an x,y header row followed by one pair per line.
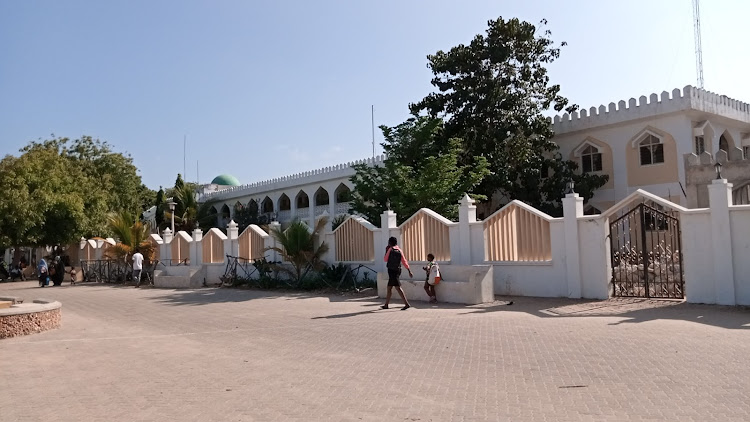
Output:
x,y
304,213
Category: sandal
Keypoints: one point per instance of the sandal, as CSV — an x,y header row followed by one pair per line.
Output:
x,y
384,307
406,307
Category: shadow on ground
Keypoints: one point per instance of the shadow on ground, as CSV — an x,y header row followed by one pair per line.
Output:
x,y
627,310
622,310
227,295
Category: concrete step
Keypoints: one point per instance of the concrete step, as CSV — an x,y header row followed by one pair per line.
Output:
x,y
172,282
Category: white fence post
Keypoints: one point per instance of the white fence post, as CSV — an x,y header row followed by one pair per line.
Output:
x,y
387,223
231,244
461,247
270,241
720,198
166,247
572,210
196,248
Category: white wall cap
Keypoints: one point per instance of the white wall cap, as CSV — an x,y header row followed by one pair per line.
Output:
x,y
369,226
217,232
644,195
184,235
526,207
431,213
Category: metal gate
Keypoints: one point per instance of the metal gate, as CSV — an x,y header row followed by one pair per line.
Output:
x,y
646,250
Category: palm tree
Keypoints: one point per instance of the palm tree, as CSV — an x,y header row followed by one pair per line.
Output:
x,y
188,213
297,246
132,237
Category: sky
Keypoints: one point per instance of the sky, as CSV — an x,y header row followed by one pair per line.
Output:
x,y
263,89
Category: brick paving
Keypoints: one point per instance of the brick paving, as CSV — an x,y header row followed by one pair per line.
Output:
x,y
125,354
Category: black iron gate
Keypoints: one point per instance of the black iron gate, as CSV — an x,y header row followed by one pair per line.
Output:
x,y
646,253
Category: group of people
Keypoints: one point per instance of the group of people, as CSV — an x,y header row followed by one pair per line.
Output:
x,y
394,259
15,271
54,272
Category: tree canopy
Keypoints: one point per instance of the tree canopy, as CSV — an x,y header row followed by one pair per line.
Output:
x,y
58,190
417,173
492,94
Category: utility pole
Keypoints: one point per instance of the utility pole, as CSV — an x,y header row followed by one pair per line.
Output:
x,y
372,115
698,47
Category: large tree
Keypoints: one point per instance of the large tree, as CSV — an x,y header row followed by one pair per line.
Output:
x,y
59,190
492,94
418,173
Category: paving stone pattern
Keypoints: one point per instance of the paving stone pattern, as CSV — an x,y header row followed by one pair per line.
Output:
x,y
125,354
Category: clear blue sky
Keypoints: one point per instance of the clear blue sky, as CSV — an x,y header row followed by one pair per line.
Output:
x,y
264,89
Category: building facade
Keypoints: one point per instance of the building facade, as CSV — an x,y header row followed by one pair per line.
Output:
x,y
661,144
652,143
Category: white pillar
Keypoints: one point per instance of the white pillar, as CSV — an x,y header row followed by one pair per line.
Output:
x,y
270,242
331,190
311,209
388,222
720,199
196,248
461,249
98,253
293,207
232,245
323,236
572,211
166,247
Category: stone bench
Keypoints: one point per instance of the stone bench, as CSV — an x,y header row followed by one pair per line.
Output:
x,y
470,284
26,318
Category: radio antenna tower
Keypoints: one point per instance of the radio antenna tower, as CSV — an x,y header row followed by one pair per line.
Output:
x,y
698,47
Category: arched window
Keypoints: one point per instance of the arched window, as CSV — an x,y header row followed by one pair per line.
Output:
x,y
343,194
723,144
321,197
252,205
303,201
651,150
267,205
700,145
284,203
591,159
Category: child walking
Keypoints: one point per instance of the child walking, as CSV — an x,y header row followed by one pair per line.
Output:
x,y
433,277
72,275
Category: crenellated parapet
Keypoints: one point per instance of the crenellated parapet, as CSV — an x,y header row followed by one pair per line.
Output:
x,y
324,173
689,98
734,155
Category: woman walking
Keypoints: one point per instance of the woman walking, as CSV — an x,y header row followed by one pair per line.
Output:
x,y
394,258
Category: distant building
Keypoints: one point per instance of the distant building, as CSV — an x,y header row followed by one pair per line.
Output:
x,y
666,144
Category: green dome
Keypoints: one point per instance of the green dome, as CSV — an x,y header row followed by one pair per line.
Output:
x,y
226,180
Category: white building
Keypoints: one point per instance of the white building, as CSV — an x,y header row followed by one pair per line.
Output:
x,y
640,144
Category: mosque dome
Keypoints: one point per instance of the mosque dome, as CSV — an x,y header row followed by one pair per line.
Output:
x,y
226,180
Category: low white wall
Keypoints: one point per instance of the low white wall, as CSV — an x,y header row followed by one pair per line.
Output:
x,y
213,273
697,257
542,279
596,267
740,222
461,284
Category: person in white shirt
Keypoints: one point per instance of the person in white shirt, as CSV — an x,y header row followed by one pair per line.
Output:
x,y
137,268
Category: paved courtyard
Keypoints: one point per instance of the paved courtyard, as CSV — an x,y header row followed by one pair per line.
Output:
x,y
127,354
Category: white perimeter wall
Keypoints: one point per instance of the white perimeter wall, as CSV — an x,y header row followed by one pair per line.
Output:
x,y
740,221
